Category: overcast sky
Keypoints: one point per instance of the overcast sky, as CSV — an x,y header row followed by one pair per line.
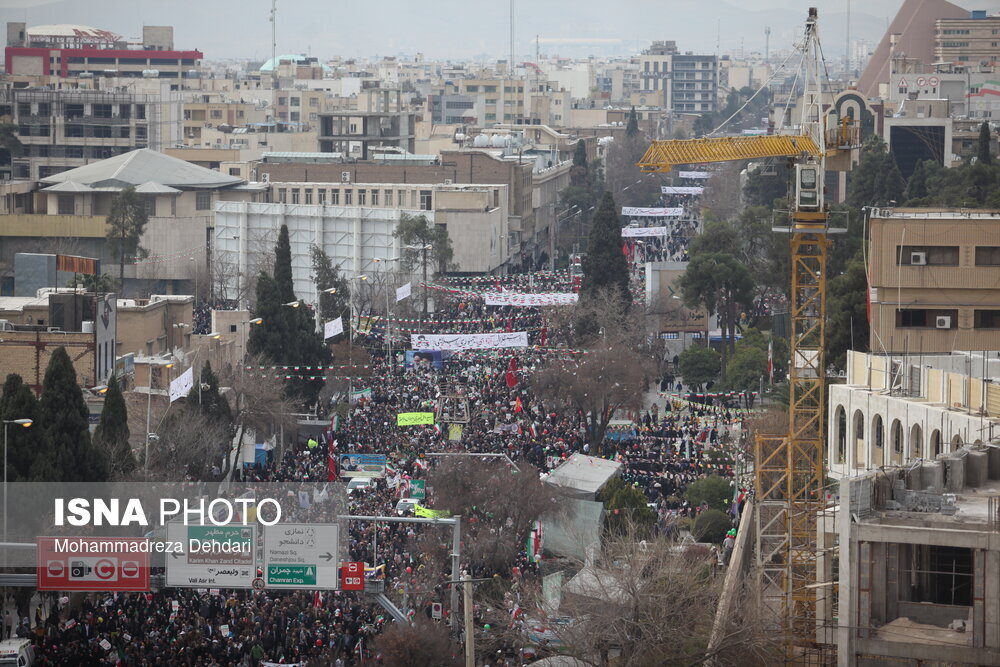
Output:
x,y
463,29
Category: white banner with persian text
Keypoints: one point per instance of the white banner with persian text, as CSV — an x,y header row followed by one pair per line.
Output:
x,y
634,232
403,292
181,385
682,189
333,328
636,212
489,341
525,300
694,174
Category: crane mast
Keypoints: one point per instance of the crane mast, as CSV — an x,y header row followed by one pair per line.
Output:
x,y
788,467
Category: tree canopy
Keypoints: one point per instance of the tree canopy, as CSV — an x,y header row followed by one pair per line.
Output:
x,y
111,436
126,223
605,266
19,402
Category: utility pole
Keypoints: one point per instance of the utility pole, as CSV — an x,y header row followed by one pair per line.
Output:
x,y
470,637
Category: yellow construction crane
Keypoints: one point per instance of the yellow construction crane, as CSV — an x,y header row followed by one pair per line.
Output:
x,y
788,468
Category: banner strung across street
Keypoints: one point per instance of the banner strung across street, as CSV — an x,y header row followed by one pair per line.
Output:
x,y
632,232
519,299
694,174
181,386
488,341
636,212
333,328
414,418
681,189
362,465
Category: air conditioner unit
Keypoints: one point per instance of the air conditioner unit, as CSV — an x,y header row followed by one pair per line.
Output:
x,y
942,321
345,177
267,177
447,181
918,258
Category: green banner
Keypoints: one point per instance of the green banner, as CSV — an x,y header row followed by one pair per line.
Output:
x,y
418,489
291,575
414,418
428,513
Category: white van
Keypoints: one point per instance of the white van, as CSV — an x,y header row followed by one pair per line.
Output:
x,y
16,653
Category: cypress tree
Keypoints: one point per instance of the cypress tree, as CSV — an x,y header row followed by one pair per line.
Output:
x,y
605,265
65,452
916,187
111,436
283,266
984,153
207,397
19,402
632,127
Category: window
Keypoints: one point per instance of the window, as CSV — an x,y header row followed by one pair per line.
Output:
x,y
295,102
401,201
361,197
234,171
425,200
203,201
841,436
472,89
878,432
930,255
309,196
387,198
102,110
66,204
489,89
348,194
140,110
335,197
216,113
987,319
140,132
926,318
313,102
374,197
321,197
282,196
150,204
295,195
988,256
897,437
282,101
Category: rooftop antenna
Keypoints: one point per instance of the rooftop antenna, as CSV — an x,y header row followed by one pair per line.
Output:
x,y
274,46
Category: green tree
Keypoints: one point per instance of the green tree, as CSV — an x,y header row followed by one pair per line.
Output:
x,y
632,125
10,144
111,435
605,265
699,365
287,334
93,283
206,397
626,509
983,151
19,402
578,172
66,453
718,282
325,276
425,244
916,188
126,222
714,490
283,267
711,526
847,313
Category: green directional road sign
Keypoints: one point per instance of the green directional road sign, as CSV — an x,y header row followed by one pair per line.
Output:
x,y
418,490
291,575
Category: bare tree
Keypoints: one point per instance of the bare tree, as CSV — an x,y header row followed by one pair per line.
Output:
x,y
499,503
260,403
653,603
189,443
418,644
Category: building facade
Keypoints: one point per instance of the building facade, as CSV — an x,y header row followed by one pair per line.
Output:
x,y
934,279
974,39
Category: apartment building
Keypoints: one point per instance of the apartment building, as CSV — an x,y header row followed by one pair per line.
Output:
x,y
354,224
77,50
685,82
205,111
974,39
64,129
382,121
934,280
900,410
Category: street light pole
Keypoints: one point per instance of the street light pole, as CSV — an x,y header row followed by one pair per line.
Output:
x,y
149,404
7,422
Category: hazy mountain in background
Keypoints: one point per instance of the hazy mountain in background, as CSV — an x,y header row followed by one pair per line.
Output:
x,y
462,29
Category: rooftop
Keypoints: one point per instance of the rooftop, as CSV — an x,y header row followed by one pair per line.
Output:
x,y
586,474
143,168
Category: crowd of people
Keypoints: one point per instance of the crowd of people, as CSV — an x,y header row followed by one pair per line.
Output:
x,y
662,454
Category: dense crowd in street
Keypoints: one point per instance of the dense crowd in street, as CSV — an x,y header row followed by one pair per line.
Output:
x,y
661,455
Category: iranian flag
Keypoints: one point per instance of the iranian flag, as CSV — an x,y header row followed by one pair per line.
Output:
x,y
331,465
534,544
